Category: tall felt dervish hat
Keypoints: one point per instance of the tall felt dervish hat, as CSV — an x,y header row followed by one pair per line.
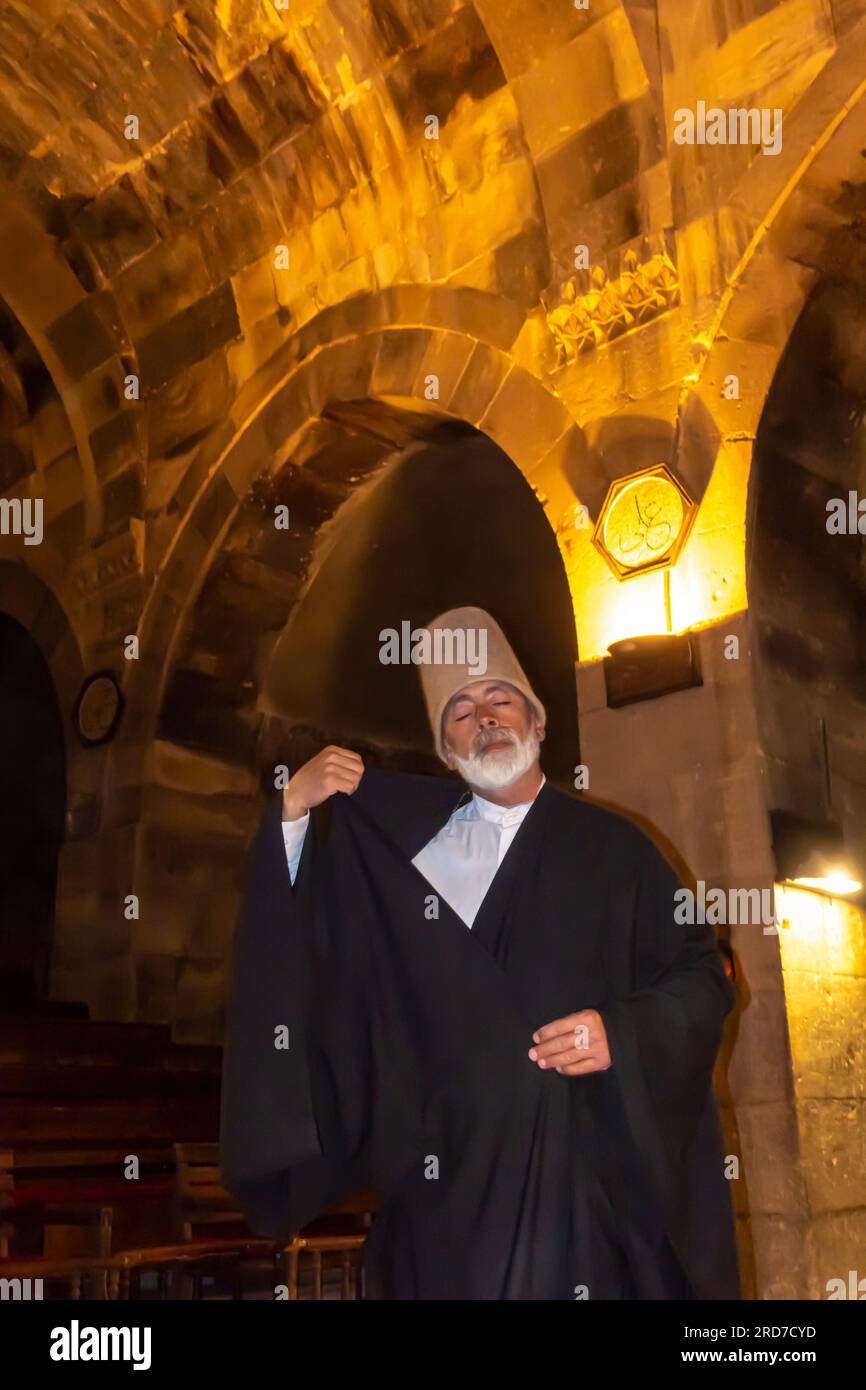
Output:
x,y
441,680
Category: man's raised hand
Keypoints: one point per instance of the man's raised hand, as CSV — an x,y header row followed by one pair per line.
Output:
x,y
333,770
573,1045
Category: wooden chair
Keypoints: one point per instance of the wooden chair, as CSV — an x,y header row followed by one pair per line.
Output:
x,y
71,1229
311,1269
309,1264
204,1207
73,1278
322,1254
204,1203
180,1270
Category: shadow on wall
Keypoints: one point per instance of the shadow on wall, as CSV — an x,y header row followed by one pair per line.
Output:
x,y
449,520
807,580
32,807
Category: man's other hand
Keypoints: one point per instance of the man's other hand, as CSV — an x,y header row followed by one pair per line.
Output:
x,y
573,1045
332,770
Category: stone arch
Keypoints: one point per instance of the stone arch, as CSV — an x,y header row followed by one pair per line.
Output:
x,y
341,378
446,519
801,211
210,749
335,361
77,337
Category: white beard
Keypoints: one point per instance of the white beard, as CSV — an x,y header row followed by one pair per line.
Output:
x,y
493,771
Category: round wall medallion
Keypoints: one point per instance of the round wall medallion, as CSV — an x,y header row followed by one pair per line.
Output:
x,y
98,708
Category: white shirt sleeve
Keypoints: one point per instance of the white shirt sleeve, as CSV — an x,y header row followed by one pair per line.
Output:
x,y
294,833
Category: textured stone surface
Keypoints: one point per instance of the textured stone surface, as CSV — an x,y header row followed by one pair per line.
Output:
x,y
835,1246
191,335
156,260
770,1189
781,1259
834,1138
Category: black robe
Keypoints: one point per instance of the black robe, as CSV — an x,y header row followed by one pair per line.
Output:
x,y
407,1068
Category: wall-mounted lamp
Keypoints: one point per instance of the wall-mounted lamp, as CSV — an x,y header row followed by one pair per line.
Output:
x,y
642,668
811,855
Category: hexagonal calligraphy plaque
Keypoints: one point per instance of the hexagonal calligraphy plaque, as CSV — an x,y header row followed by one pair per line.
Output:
x,y
644,522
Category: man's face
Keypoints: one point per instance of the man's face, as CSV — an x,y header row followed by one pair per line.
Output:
x,y
488,729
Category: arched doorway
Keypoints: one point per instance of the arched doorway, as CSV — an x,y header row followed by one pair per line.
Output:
x,y
32,808
394,513
807,577
448,520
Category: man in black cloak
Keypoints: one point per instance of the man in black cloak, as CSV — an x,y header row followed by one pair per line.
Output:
x,y
476,1001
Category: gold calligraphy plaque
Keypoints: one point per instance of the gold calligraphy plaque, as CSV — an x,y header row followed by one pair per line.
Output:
x,y
643,522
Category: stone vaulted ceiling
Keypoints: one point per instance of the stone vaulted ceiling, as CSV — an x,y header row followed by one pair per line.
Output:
x,y
166,150
224,217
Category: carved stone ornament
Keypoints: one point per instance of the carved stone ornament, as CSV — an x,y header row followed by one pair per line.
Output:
x,y
641,292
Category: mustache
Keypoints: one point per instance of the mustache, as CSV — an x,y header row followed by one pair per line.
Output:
x,y
485,737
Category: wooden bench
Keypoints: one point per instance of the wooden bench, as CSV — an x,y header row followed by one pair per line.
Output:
x,y
73,1201
77,1098
60,1200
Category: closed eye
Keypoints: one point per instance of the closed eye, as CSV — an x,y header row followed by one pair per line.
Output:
x,y
458,718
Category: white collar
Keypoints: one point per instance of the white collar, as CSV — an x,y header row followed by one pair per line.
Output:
x,y
502,815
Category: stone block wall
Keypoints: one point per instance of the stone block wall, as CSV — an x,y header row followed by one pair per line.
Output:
x,y
824,972
169,376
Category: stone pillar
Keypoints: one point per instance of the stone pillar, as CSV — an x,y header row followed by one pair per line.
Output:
x,y
689,765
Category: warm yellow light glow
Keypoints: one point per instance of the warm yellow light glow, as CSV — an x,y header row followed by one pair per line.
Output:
x,y
608,609
616,610
835,884
819,935
705,586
